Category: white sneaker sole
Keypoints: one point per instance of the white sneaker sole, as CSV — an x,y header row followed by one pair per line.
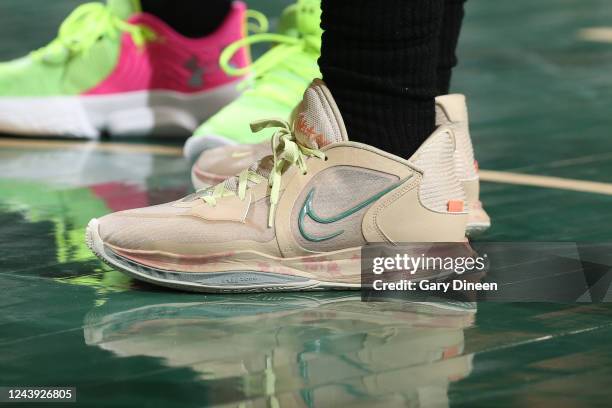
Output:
x,y
130,113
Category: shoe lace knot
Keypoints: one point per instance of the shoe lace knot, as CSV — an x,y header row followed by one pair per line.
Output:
x,y
287,151
84,27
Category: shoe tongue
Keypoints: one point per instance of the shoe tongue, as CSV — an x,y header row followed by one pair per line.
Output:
x,y
316,121
124,8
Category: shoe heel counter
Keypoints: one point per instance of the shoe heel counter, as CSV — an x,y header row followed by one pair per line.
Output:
x,y
451,109
430,206
401,217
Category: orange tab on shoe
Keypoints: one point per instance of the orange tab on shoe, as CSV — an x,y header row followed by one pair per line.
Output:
x,y
455,206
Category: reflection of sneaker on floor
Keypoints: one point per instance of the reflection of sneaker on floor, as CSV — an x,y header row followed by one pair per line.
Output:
x,y
113,68
216,165
280,77
295,220
329,347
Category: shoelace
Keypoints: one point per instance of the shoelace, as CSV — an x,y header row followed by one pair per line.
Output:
x,y
83,28
257,22
286,152
280,57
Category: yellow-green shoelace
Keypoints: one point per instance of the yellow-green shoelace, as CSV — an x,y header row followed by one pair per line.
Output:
x,y
288,53
84,27
286,152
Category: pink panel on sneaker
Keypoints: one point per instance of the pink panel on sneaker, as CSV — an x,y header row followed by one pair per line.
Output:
x,y
173,62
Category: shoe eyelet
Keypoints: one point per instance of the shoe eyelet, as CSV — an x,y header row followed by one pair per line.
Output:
x,y
326,158
304,173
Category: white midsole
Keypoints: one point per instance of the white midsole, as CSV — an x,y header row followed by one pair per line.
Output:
x,y
129,113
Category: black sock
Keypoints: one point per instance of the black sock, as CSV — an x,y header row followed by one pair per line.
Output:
x,y
379,60
449,36
191,18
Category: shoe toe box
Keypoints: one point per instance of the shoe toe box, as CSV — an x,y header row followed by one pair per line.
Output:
x,y
142,228
172,229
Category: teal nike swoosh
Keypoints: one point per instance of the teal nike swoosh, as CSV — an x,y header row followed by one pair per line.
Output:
x,y
308,211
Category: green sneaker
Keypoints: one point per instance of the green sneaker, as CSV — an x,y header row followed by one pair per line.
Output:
x,y
277,80
115,69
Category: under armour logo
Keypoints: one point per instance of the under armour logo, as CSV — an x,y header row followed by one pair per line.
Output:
x,y
197,72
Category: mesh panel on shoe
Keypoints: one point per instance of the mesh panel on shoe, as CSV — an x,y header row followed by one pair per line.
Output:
x,y
137,230
261,167
336,190
440,183
464,151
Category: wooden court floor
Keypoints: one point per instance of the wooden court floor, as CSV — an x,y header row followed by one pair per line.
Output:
x,y
538,76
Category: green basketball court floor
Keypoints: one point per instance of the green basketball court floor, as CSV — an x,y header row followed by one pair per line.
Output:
x,y
539,80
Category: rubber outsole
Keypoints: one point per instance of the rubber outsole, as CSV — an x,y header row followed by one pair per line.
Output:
x,y
478,222
475,230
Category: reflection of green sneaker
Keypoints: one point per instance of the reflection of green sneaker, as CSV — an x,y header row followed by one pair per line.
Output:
x,y
278,80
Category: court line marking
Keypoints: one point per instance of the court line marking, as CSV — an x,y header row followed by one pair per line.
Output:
x,y
573,161
91,145
596,34
558,183
493,176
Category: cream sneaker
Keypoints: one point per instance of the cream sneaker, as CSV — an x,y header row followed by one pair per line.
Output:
x,y
295,220
217,164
